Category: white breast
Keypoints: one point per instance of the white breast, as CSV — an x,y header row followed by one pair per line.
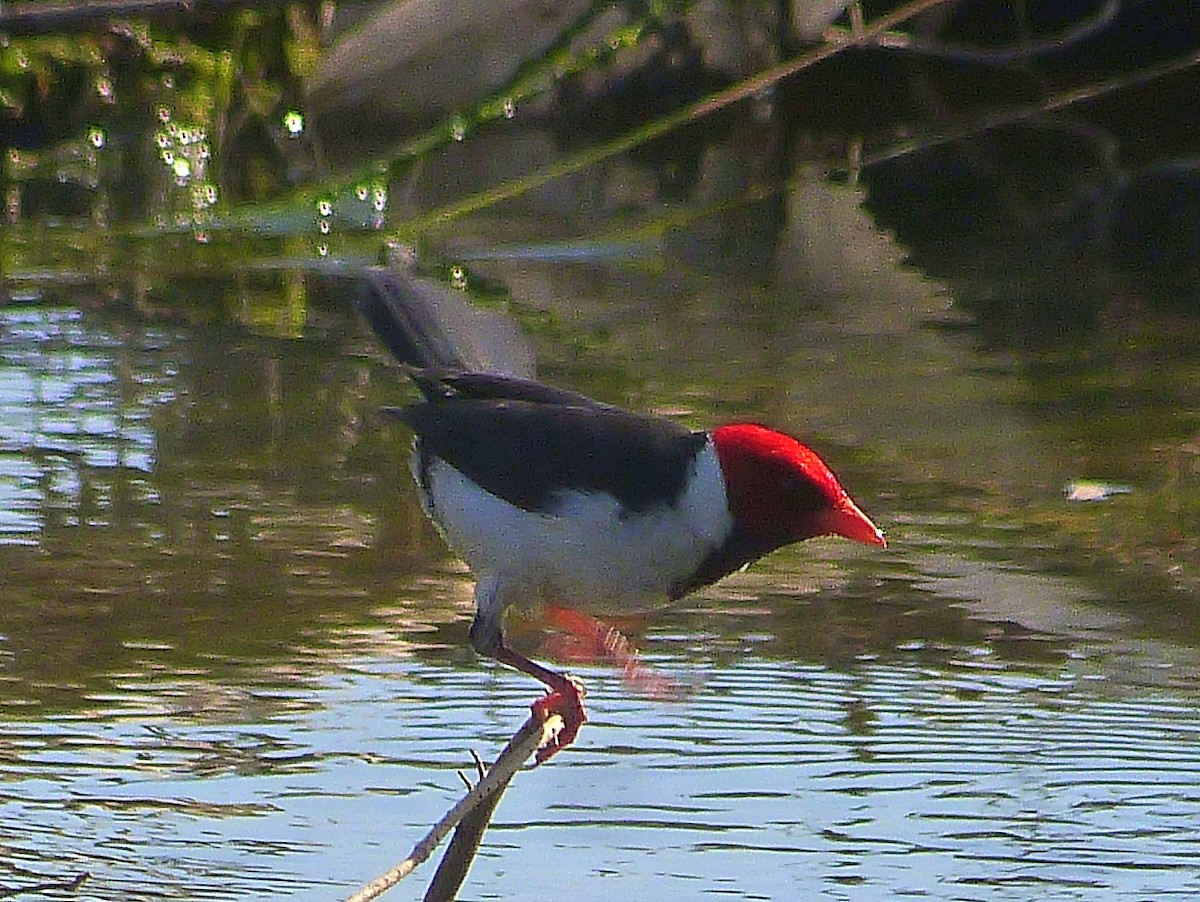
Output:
x,y
585,553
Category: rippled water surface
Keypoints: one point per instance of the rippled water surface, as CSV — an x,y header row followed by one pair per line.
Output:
x,y
958,780
235,666
233,654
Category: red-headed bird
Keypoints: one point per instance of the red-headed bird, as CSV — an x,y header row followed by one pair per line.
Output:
x,y
548,494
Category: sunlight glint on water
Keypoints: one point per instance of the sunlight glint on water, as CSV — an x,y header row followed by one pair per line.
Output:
x,y
236,666
771,782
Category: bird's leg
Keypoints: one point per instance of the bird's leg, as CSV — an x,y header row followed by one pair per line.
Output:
x,y
565,699
606,643
566,694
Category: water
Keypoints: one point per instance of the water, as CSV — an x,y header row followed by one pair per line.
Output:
x,y
233,654
236,667
962,781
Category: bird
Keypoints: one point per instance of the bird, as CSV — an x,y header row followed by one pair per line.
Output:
x,y
548,494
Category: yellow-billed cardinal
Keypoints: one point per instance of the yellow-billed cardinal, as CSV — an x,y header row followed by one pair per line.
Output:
x,y
548,494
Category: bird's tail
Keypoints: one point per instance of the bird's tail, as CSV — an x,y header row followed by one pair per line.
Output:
x,y
429,326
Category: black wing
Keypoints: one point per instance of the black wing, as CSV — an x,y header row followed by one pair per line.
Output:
x,y
442,384
528,443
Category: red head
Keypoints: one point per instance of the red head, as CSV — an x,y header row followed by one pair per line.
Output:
x,y
781,491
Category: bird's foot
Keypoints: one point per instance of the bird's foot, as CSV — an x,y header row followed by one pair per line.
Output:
x,y
565,700
587,639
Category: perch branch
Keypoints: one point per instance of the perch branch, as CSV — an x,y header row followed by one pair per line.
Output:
x,y
534,733
456,860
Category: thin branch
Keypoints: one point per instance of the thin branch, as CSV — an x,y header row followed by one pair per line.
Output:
x,y
534,733
50,886
457,859
1000,56
1013,115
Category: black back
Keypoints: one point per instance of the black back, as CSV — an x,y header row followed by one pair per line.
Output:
x,y
527,442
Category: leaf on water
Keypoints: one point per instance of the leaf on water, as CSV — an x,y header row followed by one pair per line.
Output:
x,y
1094,490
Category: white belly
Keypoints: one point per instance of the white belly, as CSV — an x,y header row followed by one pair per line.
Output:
x,y
584,553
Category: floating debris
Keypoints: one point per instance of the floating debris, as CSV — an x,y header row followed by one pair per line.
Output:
x,y
1094,490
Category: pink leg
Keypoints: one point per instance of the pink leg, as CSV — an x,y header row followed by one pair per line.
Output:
x,y
605,643
565,699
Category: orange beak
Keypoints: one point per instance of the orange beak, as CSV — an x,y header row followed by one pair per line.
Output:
x,y
847,521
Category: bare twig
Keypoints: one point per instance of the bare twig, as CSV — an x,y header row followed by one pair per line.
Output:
x,y
534,733
456,861
994,56
1012,115
50,886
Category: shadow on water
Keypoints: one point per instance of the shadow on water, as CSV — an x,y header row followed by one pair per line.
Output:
x,y
233,654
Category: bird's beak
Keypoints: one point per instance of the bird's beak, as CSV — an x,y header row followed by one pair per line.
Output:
x,y
847,521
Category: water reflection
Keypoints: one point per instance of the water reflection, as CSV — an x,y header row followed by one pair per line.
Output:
x,y
156,513
233,655
231,642
67,415
773,781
